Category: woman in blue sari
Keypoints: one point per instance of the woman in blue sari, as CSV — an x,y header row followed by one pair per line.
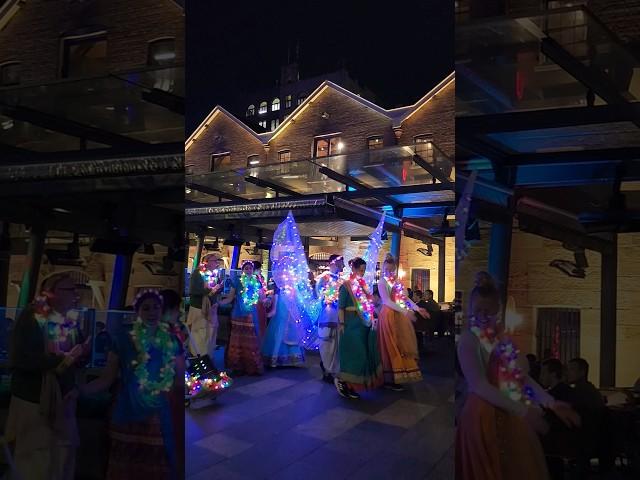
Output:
x,y
281,345
150,362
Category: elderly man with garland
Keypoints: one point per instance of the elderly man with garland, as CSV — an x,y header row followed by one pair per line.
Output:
x,y
328,290
149,361
46,347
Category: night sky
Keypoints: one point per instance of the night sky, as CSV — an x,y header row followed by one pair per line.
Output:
x,y
233,47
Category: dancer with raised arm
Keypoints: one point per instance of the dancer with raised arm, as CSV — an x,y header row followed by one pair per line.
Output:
x,y
359,357
396,335
328,290
496,436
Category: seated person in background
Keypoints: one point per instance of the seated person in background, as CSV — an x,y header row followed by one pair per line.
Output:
x,y
534,367
431,306
551,378
587,396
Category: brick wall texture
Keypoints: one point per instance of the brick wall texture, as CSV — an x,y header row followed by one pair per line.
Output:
x,y
34,35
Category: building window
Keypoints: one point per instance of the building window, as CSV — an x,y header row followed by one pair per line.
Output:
x,y
275,123
10,74
84,55
220,161
375,143
251,110
327,146
275,105
162,52
301,98
284,156
263,107
424,146
253,160
263,123
287,101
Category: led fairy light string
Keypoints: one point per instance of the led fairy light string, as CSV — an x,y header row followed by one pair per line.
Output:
x,y
196,384
364,300
330,289
373,250
251,287
291,274
144,342
397,292
211,277
59,327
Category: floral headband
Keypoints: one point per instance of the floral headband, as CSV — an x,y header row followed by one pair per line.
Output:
x,y
147,292
245,263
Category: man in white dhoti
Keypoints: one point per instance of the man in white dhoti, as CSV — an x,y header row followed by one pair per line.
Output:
x,y
202,320
328,287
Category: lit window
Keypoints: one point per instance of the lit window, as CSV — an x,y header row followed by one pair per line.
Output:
x,y
251,110
253,160
162,52
375,143
301,98
10,74
220,161
284,156
275,104
275,123
424,146
327,146
263,107
287,101
84,55
263,123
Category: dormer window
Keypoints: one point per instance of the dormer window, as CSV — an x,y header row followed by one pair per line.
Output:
x,y
275,105
263,108
251,110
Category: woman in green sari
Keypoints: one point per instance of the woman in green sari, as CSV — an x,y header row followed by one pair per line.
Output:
x,y
360,366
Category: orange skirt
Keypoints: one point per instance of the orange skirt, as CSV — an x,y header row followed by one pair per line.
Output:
x,y
243,351
492,444
398,347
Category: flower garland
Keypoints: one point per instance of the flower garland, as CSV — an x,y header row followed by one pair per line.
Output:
x,y
195,384
250,293
144,342
211,277
364,300
510,377
397,292
330,290
59,328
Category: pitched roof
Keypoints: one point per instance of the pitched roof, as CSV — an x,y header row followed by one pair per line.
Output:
x,y
396,115
8,9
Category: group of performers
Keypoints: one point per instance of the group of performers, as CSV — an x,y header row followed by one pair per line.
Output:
x,y
365,340
145,363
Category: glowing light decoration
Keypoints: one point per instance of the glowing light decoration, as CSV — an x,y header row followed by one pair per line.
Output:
x,y
251,288
150,390
197,385
59,327
211,277
397,292
291,274
373,250
364,299
330,289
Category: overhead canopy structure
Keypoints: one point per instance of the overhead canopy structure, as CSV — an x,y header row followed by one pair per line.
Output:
x,y
72,151
548,115
341,195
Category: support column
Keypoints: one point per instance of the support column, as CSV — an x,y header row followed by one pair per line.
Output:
x,y
199,247
235,257
396,239
120,282
441,270
499,258
5,258
608,318
32,266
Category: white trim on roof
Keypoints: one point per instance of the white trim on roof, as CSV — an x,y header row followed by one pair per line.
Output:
x,y
425,99
203,126
8,11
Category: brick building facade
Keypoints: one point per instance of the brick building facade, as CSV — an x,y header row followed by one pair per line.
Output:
x,y
38,35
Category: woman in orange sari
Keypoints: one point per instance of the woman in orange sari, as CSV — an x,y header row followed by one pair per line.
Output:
x,y
396,335
496,437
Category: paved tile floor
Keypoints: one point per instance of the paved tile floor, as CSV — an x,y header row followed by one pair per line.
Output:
x,y
287,424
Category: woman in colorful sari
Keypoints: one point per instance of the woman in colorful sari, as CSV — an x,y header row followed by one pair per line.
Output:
x,y
359,357
150,363
496,437
396,335
243,353
281,344
46,346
